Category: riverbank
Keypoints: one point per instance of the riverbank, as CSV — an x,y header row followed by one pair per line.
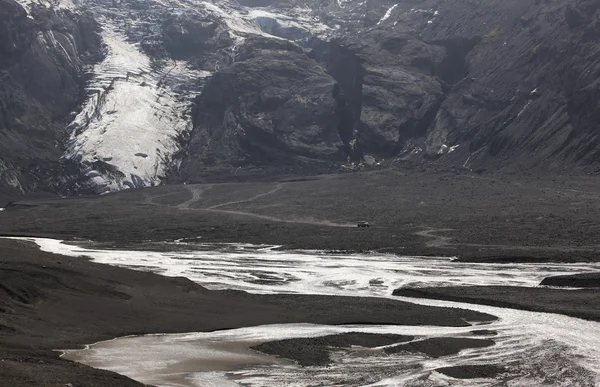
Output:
x,y
580,303
583,280
49,301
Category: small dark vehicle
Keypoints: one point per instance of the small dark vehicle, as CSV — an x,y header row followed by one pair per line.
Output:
x,y
362,223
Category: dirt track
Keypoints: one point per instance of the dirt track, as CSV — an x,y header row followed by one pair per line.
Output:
x,y
472,217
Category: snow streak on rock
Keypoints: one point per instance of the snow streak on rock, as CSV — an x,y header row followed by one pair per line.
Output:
x,y
387,14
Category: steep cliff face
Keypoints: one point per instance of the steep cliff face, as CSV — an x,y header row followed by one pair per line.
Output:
x,y
526,100
466,84
192,88
42,76
274,106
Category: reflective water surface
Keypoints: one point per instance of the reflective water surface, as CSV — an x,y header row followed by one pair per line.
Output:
x,y
537,349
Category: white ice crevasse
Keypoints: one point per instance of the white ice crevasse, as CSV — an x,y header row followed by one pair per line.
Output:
x,y
130,121
299,18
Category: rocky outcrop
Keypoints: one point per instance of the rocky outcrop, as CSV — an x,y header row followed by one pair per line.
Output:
x,y
203,43
527,98
273,106
42,71
492,84
340,99
507,85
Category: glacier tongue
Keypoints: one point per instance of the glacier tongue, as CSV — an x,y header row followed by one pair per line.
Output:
x,y
130,121
125,134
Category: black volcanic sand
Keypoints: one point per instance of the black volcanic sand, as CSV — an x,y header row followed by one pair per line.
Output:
x,y
472,371
484,332
583,303
584,280
502,218
315,351
440,346
50,301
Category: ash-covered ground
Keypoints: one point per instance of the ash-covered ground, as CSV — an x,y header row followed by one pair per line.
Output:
x,y
469,216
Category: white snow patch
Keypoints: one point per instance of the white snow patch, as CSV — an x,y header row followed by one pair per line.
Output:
x,y
524,108
241,24
467,163
387,14
342,2
299,18
60,4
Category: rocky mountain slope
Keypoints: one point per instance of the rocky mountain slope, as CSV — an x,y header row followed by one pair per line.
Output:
x,y
146,91
42,60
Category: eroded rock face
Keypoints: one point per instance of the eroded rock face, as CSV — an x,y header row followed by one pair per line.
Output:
x,y
473,86
42,69
202,43
16,32
328,100
492,84
526,100
274,105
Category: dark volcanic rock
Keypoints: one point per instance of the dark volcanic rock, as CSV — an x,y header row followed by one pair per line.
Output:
x,y
277,105
390,86
524,102
200,42
16,32
273,106
471,85
41,83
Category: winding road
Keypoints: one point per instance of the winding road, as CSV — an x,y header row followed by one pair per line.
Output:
x,y
197,194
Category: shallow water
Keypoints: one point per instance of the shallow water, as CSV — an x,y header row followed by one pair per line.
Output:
x,y
538,349
265,269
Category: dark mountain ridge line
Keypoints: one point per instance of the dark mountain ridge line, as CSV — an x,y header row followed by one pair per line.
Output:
x,y
494,85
